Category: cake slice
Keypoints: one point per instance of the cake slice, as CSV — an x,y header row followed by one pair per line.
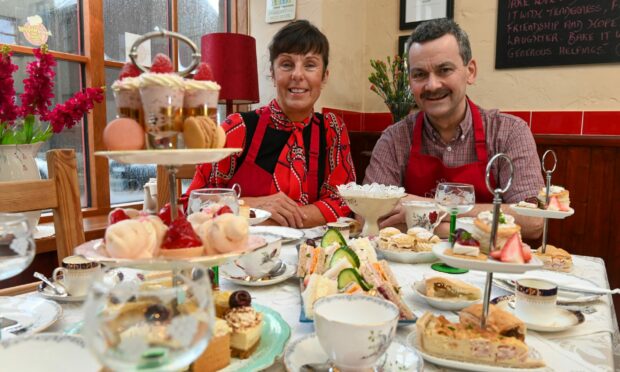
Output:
x,y
556,259
441,287
246,324
217,355
469,343
559,198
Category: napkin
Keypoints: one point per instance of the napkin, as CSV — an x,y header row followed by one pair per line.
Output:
x,y
558,358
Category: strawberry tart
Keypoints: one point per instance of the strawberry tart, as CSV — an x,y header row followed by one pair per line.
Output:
x,y
559,199
181,240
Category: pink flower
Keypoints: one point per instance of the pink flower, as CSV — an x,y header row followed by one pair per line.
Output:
x,y
66,115
38,87
8,109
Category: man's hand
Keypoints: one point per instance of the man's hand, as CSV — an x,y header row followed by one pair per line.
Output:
x,y
397,215
284,210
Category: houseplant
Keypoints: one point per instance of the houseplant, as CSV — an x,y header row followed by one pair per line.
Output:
x,y
24,127
391,82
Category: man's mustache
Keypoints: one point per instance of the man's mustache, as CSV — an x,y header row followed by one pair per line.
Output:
x,y
434,94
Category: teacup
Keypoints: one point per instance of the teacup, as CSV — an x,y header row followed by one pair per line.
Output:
x,y
354,330
260,262
535,300
342,227
77,274
423,214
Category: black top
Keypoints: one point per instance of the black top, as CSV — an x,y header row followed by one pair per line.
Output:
x,y
274,142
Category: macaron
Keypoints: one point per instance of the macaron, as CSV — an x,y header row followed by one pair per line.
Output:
x,y
195,134
123,134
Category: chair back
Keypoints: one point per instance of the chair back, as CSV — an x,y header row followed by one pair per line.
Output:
x,y
184,172
60,193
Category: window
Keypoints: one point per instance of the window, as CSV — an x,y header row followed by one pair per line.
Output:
x,y
78,43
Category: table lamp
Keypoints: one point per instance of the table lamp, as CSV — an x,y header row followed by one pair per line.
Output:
x,y
232,58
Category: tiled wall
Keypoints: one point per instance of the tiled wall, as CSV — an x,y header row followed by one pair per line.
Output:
x,y
541,122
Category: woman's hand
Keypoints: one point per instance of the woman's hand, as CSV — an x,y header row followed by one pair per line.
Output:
x,y
284,210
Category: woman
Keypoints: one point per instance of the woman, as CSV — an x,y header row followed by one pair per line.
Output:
x,y
293,158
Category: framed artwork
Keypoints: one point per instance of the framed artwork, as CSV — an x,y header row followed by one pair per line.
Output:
x,y
402,44
414,12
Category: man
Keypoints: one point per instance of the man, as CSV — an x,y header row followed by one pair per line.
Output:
x,y
451,139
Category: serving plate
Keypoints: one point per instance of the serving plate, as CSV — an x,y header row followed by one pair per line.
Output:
x,y
408,257
34,313
288,234
447,304
235,274
169,157
490,265
535,212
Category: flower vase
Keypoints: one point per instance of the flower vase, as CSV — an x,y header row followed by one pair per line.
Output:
x,y
399,109
17,163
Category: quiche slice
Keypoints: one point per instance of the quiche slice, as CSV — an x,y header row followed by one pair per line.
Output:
x,y
439,337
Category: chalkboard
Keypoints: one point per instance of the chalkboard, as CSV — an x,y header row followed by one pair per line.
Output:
x,y
557,32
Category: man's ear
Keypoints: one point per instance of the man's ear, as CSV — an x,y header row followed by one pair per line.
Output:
x,y
472,71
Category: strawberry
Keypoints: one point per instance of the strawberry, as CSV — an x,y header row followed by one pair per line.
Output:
x,y
554,204
496,254
512,251
203,72
161,64
527,253
180,234
129,70
117,215
463,237
223,209
164,214
432,216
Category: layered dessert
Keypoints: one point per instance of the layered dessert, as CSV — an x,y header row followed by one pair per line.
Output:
x,y
126,92
201,94
559,199
466,246
246,324
217,354
554,258
505,229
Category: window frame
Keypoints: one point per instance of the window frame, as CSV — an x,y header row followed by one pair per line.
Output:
x,y
92,44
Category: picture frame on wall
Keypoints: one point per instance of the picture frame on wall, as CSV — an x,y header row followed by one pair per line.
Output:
x,y
414,12
402,44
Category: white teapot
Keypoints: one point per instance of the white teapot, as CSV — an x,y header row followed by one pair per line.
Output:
x,y
150,196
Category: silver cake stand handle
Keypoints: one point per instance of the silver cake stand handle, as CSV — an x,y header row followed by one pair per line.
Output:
x,y
548,173
497,202
133,55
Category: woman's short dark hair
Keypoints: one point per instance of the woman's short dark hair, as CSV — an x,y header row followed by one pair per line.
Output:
x,y
437,28
299,37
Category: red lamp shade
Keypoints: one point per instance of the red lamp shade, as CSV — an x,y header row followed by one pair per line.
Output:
x,y
232,58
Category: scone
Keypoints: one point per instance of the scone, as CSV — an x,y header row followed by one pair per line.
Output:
x,y
505,229
561,196
468,342
424,239
384,236
441,287
401,242
556,259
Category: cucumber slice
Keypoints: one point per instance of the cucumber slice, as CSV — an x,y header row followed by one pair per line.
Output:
x,y
331,236
351,275
345,252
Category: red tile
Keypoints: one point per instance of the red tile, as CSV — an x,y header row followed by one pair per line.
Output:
x,y
601,122
525,115
556,122
352,119
377,121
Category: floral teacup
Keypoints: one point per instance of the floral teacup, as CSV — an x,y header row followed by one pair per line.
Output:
x,y
354,330
422,214
259,263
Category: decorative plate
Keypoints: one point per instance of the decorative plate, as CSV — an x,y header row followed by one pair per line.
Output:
x,y
288,234
562,319
275,334
488,265
307,349
535,212
34,313
234,274
447,304
47,352
169,157
261,216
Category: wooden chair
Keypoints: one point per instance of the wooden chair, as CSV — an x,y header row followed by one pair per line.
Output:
x,y
60,192
185,172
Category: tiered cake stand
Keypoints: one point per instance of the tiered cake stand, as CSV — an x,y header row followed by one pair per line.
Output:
x,y
490,266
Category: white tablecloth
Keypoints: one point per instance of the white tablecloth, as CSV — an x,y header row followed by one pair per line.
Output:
x,y
593,350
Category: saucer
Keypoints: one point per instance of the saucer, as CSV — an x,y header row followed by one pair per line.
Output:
x,y
288,234
562,319
307,349
236,275
261,216
48,293
448,304
34,313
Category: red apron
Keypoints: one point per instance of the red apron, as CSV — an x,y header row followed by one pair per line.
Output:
x,y
255,181
425,171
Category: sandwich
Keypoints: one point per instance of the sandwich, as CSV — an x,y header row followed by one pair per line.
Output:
x,y
554,258
469,343
364,249
385,285
441,287
311,260
318,286
499,321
